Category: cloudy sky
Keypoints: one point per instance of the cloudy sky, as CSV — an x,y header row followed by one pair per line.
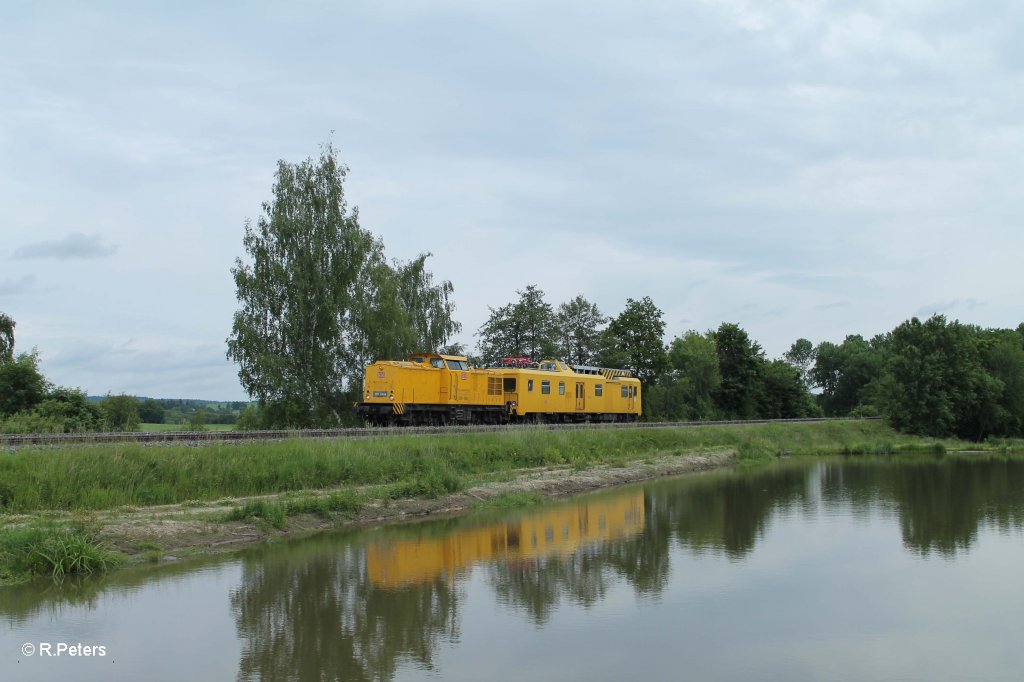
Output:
x,y
804,169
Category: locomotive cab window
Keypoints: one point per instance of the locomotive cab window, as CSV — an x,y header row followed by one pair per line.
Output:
x,y
437,362
529,385
456,364
510,385
545,387
625,391
598,390
561,388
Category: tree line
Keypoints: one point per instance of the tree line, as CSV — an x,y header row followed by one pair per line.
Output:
x,y
318,301
31,403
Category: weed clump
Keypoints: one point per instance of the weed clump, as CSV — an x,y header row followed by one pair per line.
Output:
x,y
52,550
263,510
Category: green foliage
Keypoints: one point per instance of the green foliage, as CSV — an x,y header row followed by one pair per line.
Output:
x,y
526,328
801,355
22,385
250,419
741,363
151,412
123,474
6,338
318,300
634,340
846,373
578,326
52,550
72,408
120,412
344,501
783,394
936,381
686,391
270,512
197,422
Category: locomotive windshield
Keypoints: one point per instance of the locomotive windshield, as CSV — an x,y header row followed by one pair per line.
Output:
x,y
457,364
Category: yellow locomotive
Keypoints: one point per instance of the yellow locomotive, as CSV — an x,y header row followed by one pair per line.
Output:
x,y
427,388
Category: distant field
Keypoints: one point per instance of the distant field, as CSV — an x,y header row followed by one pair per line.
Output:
x,y
184,427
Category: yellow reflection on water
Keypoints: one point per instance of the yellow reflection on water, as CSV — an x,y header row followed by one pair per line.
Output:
x,y
559,530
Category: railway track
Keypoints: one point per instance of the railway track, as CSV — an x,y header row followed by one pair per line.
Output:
x,y
199,437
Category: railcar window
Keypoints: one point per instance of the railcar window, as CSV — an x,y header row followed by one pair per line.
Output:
x,y
625,391
545,387
599,390
419,360
529,385
510,385
561,388
437,362
456,364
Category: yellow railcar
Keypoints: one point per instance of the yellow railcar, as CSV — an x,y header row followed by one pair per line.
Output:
x,y
427,388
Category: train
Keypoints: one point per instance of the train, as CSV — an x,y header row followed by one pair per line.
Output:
x,y
429,389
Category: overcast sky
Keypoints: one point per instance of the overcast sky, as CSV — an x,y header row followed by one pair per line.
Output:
x,y
803,169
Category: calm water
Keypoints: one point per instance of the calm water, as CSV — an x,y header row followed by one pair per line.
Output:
x,y
808,570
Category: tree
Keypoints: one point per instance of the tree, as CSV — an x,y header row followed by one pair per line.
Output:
x,y
6,338
151,412
801,356
740,361
22,385
578,325
634,340
524,328
120,412
936,383
1004,360
70,411
847,374
784,394
694,375
318,300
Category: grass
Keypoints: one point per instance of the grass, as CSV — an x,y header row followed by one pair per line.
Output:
x,y
53,550
110,476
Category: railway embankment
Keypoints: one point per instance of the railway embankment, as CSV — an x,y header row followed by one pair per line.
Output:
x,y
81,509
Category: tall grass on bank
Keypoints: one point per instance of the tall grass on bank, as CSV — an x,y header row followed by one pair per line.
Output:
x,y
52,550
128,474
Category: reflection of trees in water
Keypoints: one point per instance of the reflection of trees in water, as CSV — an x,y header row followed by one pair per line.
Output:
x,y
941,502
725,513
729,513
315,616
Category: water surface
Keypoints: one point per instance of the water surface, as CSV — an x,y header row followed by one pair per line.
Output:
x,y
850,569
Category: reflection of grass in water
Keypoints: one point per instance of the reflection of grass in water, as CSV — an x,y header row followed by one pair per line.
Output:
x,y
110,476
511,501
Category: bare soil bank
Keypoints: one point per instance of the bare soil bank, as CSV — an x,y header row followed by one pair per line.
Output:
x,y
189,529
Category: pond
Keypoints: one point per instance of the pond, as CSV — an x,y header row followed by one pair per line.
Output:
x,y
807,569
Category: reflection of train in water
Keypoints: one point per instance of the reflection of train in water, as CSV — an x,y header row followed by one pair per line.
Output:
x,y
560,530
427,388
